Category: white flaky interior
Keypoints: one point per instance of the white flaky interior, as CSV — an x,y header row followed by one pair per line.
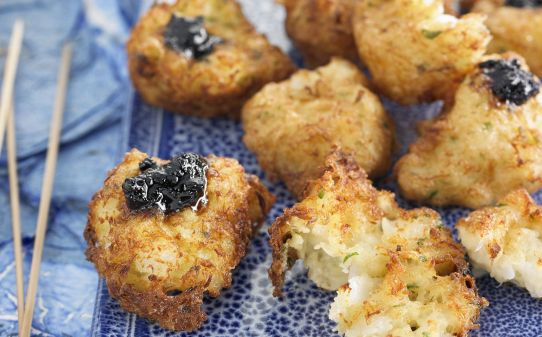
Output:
x,y
519,259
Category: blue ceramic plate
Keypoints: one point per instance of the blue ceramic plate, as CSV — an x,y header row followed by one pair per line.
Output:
x,y
248,308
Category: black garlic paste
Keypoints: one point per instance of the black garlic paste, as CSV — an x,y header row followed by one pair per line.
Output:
x,y
188,36
523,3
171,187
510,83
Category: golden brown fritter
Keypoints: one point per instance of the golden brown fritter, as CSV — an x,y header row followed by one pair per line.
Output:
x,y
398,272
321,29
160,266
506,240
477,151
514,29
414,51
214,85
293,125
410,299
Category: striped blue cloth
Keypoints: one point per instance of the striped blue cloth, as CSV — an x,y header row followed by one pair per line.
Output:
x,y
93,140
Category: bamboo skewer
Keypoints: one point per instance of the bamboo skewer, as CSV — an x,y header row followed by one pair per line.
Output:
x,y
12,61
7,118
47,186
15,214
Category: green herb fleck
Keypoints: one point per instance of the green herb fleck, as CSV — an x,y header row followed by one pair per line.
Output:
x,y
349,256
431,34
487,126
398,305
423,258
411,286
421,241
500,204
425,334
431,195
229,25
321,194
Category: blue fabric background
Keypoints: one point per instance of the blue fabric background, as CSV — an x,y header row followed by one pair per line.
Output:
x,y
93,139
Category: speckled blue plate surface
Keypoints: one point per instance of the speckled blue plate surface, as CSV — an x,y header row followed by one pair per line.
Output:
x,y
247,308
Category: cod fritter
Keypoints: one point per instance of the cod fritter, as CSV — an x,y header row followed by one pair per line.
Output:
x,y
160,266
398,272
515,28
293,125
414,51
483,146
211,78
506,241
321,29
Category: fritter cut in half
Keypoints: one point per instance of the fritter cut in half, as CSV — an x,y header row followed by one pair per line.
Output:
x,y
398,272
485,145
158,255
321,29
293,125
414,51
201,58
516,25
506,241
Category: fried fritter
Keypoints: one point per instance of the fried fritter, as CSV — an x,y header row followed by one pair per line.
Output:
x,y
398,272
410,299
293,125
414,51
506,241
160,266
482,147
211,78
321,29
514,29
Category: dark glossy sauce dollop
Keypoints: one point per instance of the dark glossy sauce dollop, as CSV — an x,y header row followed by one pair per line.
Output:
x,y
510,83
188,36
171,187
523,3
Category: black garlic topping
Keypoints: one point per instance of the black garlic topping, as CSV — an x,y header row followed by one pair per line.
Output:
x,y
171,187
523,3
510,83
188,36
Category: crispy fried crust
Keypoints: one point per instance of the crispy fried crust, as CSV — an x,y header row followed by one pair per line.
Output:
x,y
415,52
216,85
403,263
293,125
477,151
321,29
506,240
159,266
341,173
514,29
345,190
405,299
